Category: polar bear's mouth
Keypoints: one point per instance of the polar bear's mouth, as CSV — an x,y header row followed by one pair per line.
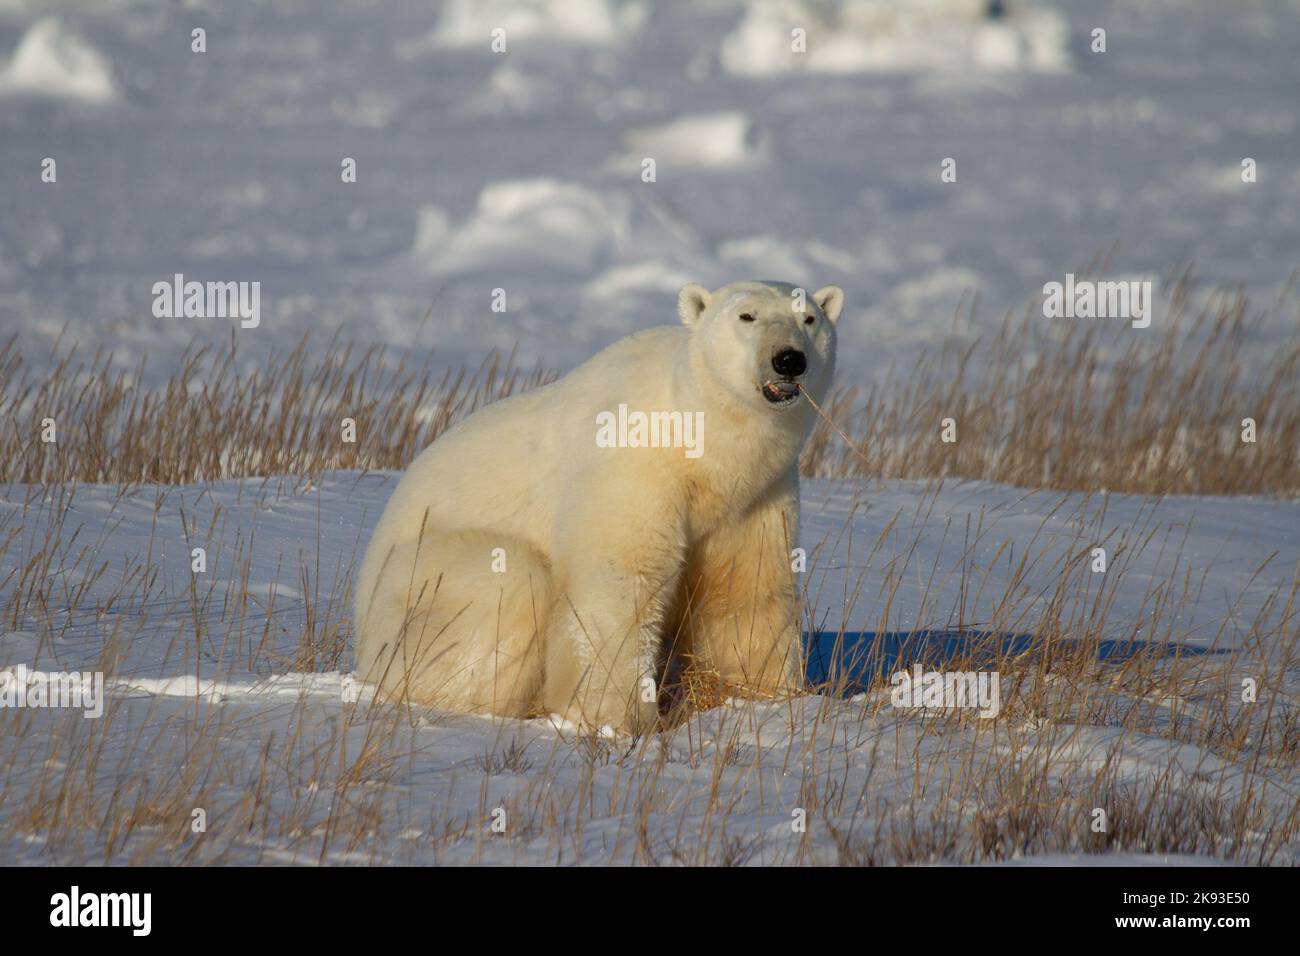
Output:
x,y
781,392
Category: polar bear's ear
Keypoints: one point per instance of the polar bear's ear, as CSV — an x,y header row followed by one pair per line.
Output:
x,y
830,299
692,301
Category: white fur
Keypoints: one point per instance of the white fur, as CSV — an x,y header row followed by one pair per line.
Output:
x,y
621,563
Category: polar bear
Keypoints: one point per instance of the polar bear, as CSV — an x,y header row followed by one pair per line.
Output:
x,y
568,550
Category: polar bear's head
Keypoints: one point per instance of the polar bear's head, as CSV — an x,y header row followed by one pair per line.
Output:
x,y
765,342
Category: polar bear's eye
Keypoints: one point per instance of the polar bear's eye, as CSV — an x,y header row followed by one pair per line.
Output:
x,y
809,320
746,317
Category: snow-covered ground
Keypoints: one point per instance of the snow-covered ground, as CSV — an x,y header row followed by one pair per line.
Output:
x,y
210,704
522,170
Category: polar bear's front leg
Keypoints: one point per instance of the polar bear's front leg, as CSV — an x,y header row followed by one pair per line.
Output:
x,y
604,650
742,622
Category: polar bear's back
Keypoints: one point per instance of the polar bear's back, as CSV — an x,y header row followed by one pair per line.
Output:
x,y
505,466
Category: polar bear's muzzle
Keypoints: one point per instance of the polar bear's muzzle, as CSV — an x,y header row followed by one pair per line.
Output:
x,y
789,364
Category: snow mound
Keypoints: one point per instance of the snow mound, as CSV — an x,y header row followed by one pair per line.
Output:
x,y
471,22
853,36
654,276
768,253
529,223
712,139
329,685
51,60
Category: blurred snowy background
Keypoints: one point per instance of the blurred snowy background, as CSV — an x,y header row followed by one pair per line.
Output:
x,y
522,170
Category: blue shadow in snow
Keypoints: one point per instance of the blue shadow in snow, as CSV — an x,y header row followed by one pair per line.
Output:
x,y
862,658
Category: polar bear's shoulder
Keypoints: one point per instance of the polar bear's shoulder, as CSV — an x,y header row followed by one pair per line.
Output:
x,y
657,339
639,352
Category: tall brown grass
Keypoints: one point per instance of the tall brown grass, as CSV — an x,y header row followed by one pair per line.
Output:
x,y
210,419
1085,405
1067,404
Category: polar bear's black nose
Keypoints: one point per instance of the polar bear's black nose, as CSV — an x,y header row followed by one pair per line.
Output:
x,y
789,362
